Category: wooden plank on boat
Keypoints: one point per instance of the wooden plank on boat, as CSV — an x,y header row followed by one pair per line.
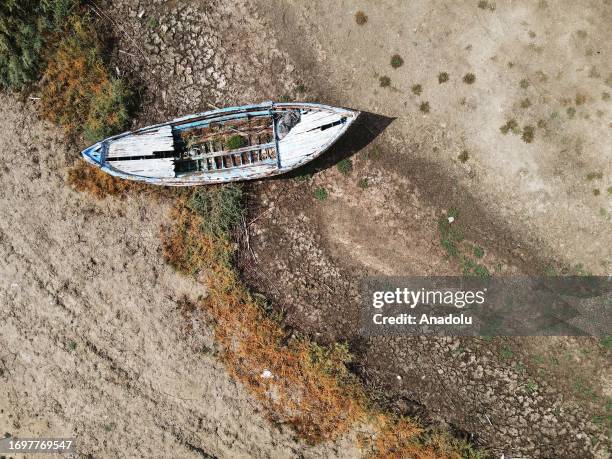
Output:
x,y
142,144
314,120
158,167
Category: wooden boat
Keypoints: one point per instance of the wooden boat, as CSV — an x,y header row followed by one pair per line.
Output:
x,y
231,144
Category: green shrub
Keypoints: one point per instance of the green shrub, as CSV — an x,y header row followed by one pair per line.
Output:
x,y
321,193
396,61
220,208
234,142
25,28
363,183
345,166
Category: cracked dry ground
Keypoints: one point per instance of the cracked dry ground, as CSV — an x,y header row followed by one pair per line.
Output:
x,y
534,397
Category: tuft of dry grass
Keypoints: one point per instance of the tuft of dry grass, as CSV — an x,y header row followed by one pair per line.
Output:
x,y
528,134
580,99
384,81
510,126
360,18
424,107
442,77
469,78
416,89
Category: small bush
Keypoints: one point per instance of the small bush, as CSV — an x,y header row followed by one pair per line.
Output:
x,y
463,156
478,252
321,193
424,107
525,103
417,89
152,23
442,77
528,134
469,78
234,142
524,83
596,192
396,61
363,183
345,166
571,112
511,125
481,271
384,81
360,18
219,207
594,176
484,5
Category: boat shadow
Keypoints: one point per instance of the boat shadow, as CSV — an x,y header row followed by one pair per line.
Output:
x,y
359,135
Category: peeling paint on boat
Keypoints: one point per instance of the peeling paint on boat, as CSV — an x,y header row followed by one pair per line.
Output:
x,y
197,149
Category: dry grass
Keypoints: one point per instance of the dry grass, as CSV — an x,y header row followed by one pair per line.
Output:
x,y
361,18
84,177
299,382
469,78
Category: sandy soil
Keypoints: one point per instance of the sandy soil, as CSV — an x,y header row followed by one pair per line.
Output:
x,y
93,342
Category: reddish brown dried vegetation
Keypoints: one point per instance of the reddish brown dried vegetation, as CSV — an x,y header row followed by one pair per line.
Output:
x,y
87,178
